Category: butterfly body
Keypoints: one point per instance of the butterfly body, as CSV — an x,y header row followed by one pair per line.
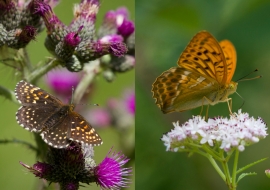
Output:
x,y
203,76
57,117
56,122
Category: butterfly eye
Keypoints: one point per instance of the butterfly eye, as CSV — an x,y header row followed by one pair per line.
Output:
x,y
231,86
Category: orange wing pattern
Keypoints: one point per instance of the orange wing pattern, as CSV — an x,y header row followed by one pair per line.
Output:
x,y
205,55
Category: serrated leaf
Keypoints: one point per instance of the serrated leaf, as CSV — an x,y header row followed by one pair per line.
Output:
x,y
249,165
244,175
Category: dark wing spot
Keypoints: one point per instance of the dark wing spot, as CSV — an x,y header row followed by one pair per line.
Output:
x,y
174,80
164,80
160,85
170,88
163,96
185,61
168,83
172,94
205,51
161,91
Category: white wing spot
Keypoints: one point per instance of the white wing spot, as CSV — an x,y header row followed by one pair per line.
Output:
x,y
187,73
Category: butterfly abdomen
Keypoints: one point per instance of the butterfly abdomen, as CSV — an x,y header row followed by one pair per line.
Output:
x,y
57,117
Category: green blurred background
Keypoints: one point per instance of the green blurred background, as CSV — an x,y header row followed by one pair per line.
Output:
x,y
164,28
12,174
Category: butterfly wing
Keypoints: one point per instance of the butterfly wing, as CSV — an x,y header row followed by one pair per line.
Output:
x,y
57,136
230,57
179,89
37,106
205,56
81,131
206,67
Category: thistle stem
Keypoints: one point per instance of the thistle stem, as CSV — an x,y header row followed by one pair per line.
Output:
x,y
91,69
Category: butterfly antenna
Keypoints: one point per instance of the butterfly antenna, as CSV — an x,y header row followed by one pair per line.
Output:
x,y
242,99
72,95
243,78
89,104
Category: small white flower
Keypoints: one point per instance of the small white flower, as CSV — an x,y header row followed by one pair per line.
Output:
x,y
238,131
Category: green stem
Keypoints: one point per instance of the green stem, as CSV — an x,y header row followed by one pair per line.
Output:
x,y
217,168
211,152
40,71
26,59
9,94
234,172
27,144
91,69
226,170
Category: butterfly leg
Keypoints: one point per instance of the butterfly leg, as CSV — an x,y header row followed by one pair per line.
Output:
x,y
207,109
229,102
206,114
201,110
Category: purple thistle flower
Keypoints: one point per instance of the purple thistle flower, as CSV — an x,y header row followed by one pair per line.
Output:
x,y
117,22
87,10
6,6
99,117
103,47
18,22
130,103
39,169
28,33
126,28
72,39
73,165
123,12
75,45
61,81
45,11
109,173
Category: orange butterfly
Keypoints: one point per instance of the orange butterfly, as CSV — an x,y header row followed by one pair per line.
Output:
x,y
203,76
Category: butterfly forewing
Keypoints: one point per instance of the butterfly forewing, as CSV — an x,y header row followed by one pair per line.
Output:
x,y
58,123
230,57
28,95
82,131
204,55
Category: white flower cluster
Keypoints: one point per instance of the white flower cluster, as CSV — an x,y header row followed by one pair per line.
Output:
x,y
238,131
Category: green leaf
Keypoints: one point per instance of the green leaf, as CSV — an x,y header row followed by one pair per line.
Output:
x,y
244,175
249,165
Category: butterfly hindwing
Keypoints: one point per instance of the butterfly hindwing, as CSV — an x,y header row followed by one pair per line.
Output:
x,y
57,136
33,117
179,85
82,131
